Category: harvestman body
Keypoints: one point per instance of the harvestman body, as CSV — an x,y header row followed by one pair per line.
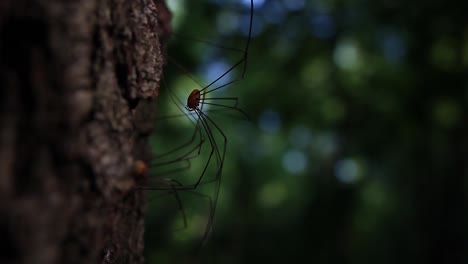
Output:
x,y
195,101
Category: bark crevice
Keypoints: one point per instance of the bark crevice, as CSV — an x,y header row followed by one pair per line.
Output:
x,y
79,80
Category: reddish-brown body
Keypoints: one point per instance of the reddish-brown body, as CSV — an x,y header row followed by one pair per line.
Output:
x,y
140,167
193,101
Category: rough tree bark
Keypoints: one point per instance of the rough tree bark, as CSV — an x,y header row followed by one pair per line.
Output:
x,y
78,82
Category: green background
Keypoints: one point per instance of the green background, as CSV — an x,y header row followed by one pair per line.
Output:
x,y
356,147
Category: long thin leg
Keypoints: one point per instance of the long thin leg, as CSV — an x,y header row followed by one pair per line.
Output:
x,y
206,122
219,174
180,205
211,43
230,107
244,59
182,157
194,135
214,149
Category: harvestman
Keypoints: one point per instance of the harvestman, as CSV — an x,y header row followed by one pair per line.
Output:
x,y
191,149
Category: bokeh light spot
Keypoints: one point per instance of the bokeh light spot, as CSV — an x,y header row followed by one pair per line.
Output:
x,y
347,171
294,161
178,13
346,55
272,194
227,23
213,70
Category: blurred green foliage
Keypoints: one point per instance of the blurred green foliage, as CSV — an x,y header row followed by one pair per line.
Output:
x,y
356,151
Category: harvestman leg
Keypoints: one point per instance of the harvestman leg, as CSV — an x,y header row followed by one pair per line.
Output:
x,y
205,120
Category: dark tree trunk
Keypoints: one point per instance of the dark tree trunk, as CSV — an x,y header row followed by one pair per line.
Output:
x,y
78,80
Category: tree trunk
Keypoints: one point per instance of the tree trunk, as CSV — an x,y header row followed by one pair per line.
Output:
x,y
78,81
